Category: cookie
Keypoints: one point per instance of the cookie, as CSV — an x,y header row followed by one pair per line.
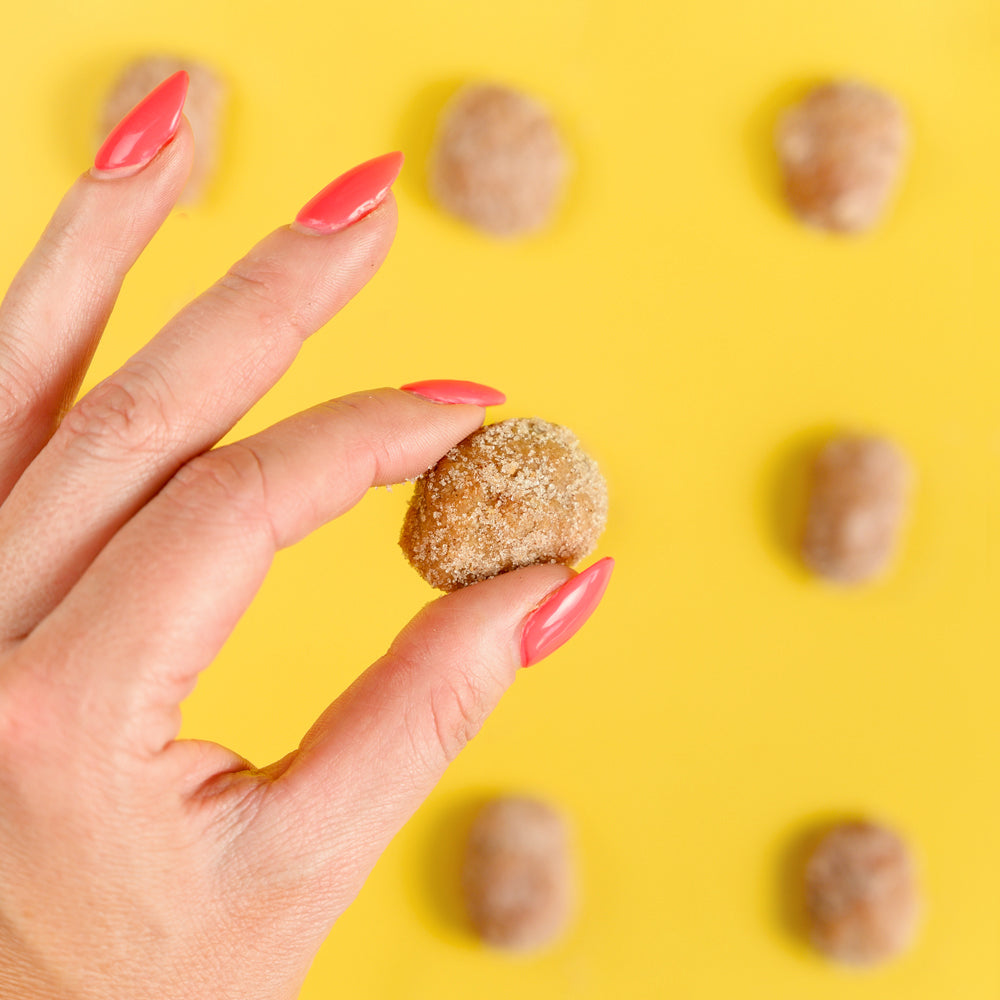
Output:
x,y
512,494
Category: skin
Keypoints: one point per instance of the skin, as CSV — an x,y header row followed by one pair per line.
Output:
x,y
136,864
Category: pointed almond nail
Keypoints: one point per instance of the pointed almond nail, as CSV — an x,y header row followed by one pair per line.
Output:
x,y
444,390
144,131
351,196
562,614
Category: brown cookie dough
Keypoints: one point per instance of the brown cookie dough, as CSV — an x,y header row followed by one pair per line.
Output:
x,y
841,152
202,108
857,506
862,903
512,494
517,877
498,161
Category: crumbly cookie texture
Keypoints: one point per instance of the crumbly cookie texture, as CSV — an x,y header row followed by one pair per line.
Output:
x,y
518,879
857,507
202,108
512,494
862,901
841,152
498,161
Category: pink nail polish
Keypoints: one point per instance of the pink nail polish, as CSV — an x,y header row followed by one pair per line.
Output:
x,y
144,131
444,390
352,195
562,614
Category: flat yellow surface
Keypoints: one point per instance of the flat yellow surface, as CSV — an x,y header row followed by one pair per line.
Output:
x,y
680,321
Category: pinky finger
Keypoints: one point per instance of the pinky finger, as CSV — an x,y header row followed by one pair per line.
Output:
x,y
56,308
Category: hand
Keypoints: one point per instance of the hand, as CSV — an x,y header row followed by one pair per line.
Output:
x,y
136,864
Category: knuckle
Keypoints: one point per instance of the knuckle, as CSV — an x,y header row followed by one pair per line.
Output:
x,y
369,442
19,403
458,708
225,484
124,415
26,714
10,731
66,231
265,288
248,282
20,385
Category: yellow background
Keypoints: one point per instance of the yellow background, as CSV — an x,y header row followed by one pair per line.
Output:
x,y
721,702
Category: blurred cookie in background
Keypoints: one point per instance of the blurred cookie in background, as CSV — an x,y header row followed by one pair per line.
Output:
x,y
858,494
518,879
862,904
841,152
498,161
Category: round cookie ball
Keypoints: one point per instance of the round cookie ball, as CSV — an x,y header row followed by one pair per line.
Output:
x,y
518,881
202,108
512,494
862,904
498,162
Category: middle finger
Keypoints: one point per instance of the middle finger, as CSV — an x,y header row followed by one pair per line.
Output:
x,y
172,400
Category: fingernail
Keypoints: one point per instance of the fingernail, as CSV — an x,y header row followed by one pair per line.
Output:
x,y
351,196
445,390
562,614
144,131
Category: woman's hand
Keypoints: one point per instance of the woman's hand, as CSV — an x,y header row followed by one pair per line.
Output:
x,y
134,864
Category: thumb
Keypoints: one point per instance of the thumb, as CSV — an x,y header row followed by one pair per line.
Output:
x,y
379,749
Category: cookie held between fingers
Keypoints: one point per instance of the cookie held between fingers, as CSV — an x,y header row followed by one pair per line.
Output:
x,y
512,494
517,877
498,161
862,903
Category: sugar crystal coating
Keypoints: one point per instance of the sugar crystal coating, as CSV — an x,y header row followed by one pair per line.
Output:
x,y
498,161
512,494
856,508
862,902
841,152
202,108
517,877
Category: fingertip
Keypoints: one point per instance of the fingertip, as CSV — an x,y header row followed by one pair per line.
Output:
x,y
536,609
496,609
564,612
453,391
352,196
146,129
163,177
382,219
